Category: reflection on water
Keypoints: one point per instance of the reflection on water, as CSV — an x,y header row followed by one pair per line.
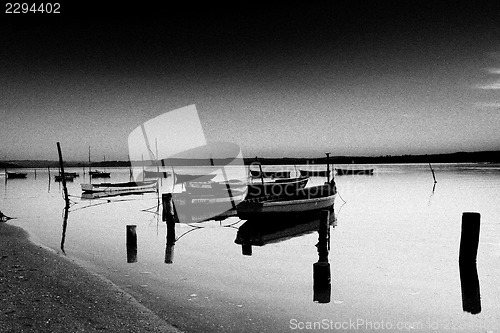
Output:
x,y
393,254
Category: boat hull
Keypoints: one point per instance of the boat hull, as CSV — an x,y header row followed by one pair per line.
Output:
x,y
314,173
304,201
131,187
278,187
342,172
16,175
156,174
270,174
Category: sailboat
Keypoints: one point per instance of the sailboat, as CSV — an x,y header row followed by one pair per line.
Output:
x,y
97,173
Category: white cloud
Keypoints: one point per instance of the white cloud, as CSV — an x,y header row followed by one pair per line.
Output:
x,y
490,86
487,105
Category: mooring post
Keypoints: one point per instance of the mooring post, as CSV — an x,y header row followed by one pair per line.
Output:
x,y
169,216
327,167
246,249
131,232
61,165
469,281
321,269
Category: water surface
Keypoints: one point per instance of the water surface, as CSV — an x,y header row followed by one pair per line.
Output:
x,y
393,255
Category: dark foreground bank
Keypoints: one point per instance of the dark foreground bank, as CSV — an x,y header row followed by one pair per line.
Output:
x,y
41,291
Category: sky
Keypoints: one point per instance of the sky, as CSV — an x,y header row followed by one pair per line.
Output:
x,y
289,79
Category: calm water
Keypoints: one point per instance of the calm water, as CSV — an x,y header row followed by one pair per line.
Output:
x,y
393,256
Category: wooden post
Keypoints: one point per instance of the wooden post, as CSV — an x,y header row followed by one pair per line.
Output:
x,y
433,175
35,173
321,269
131,243
169,216
61,165
260,170
246,249
469,242
327,167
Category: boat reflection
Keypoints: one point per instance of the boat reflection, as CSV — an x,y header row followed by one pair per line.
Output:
x,y
259,232
266,231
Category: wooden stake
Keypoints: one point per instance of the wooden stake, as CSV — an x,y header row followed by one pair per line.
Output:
x,y
131,234
469,242
433,175
321,269
61,165
169,216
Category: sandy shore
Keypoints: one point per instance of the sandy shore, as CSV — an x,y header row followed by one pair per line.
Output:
x,y
42,291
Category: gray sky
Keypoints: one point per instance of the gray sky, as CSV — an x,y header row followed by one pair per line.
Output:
x,y
295,79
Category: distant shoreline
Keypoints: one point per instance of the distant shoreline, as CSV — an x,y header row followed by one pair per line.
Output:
x,y
458,157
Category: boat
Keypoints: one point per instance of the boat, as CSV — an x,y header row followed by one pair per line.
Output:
x,y
200,187
307,200
270,174
183,178
315,173
128,187
341,172
16,175
99,174
98,195
276,187
68,177
208,200
155,174
72,174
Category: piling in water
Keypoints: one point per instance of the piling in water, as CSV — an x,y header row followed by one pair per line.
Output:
x,y
131,243
170,217
321,269
469,242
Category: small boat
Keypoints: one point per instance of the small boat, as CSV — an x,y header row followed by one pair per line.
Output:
x,y
304,201
276,187
341,172
68,177
270,174
208,200
16,175
183,178
99,174
314,173
128,187
155,174
212,186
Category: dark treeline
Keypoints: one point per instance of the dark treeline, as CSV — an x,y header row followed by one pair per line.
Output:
x,y
459,157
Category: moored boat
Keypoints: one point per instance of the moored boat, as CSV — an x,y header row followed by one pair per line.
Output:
x,y
208,200
129,187
303,201
16,175
270,174
155,174
67,177
276,187
315,173
341,172
207,187
182,178
99,174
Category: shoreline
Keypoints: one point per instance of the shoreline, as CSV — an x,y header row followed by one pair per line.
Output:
x,y
41,290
